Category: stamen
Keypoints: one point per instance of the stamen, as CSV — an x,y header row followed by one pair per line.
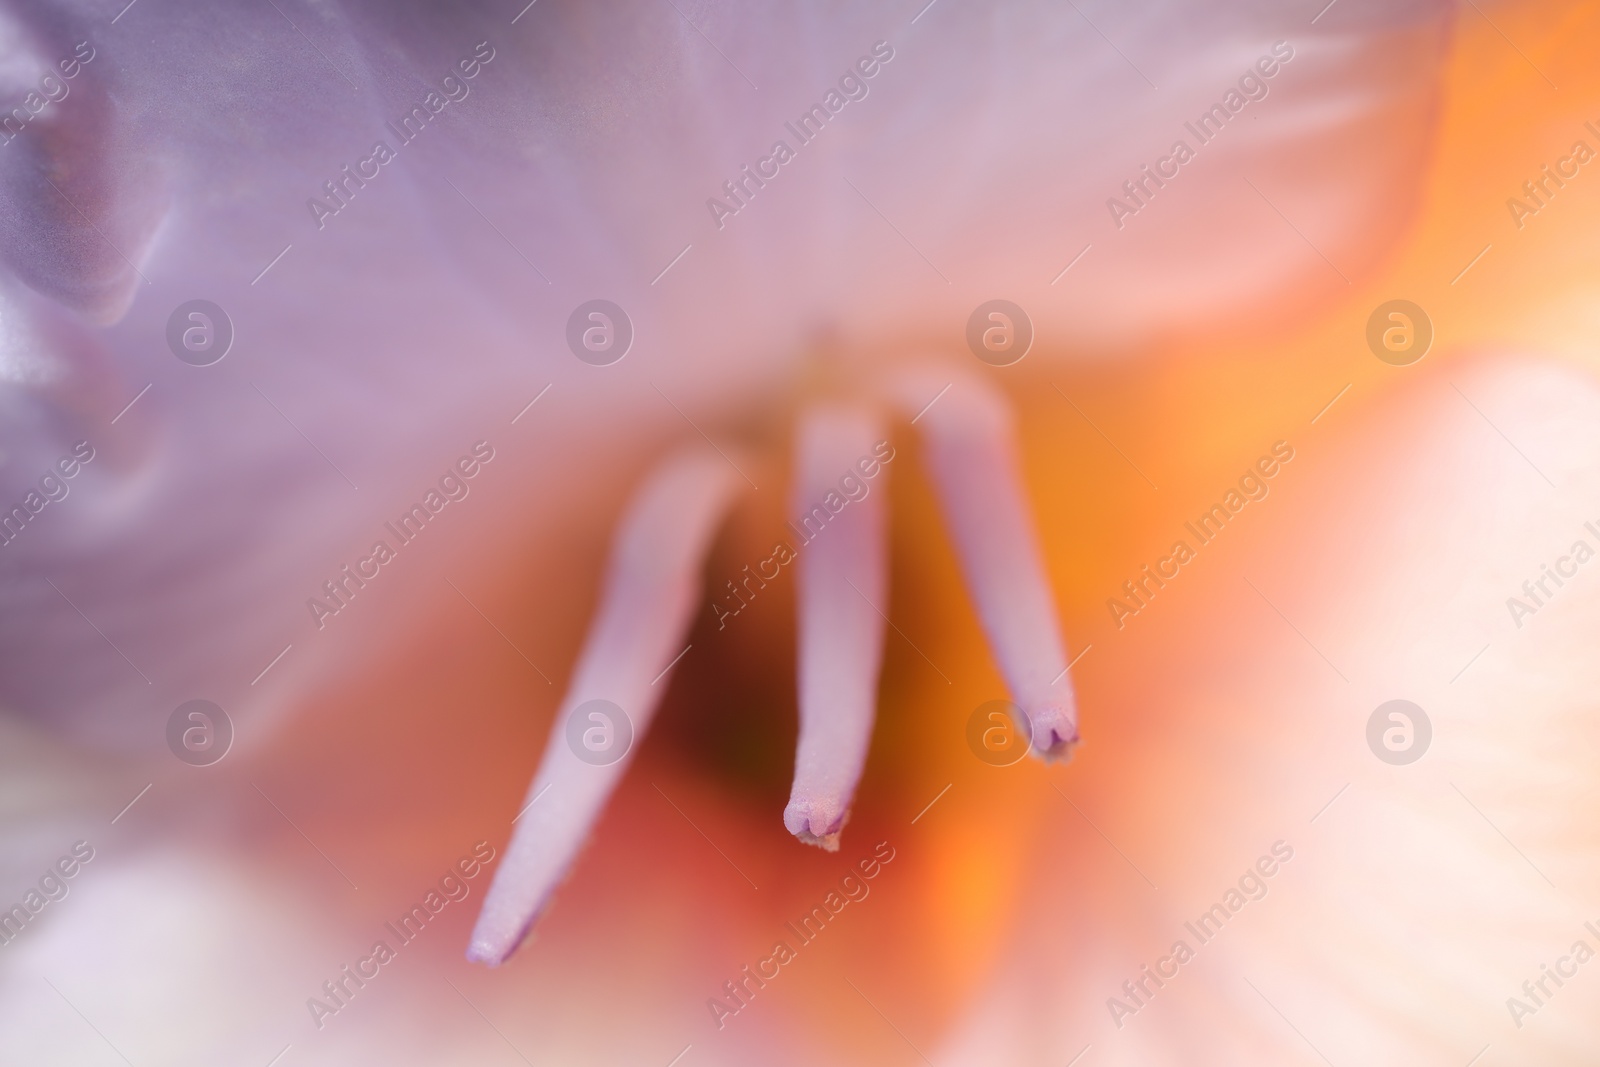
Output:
x,y
972,458
843,574
652,586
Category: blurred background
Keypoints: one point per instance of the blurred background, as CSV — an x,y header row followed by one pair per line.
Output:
x,y
1399,152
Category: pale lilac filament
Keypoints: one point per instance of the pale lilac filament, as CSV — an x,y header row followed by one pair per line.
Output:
x,y
971,454
843,586
652,588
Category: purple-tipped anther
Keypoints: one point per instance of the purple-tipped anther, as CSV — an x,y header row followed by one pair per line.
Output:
x,y
836,505
971,454
652,586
